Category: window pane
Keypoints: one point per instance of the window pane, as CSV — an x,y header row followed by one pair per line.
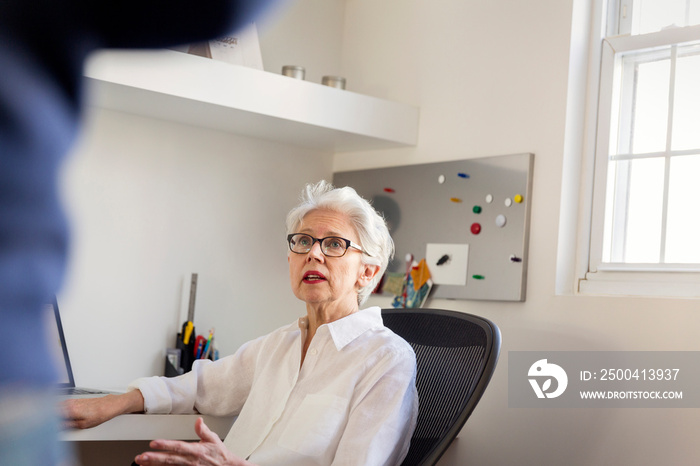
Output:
x,y
694,13
650,107
683,226
634,232
642,242
686,111
656,15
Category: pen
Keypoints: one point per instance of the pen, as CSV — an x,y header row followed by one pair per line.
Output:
x,y
188,332
206,347
198,346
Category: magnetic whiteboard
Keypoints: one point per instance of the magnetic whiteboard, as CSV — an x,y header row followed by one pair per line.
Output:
x,y
472,216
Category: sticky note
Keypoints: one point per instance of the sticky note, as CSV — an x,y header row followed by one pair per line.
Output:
x,y
420,274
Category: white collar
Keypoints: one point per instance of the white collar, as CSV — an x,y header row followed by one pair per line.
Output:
x,y
345,330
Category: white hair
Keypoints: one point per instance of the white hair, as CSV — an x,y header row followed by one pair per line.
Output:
x,y
369,225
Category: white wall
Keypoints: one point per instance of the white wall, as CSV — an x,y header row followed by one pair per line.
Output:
x,y
305,33
490,78
151,202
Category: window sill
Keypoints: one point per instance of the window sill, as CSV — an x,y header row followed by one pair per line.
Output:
x,y
648,284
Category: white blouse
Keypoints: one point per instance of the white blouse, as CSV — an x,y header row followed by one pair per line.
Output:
x,y
353,402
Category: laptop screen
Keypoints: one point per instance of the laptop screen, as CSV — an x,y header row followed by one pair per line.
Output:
x,y
57,346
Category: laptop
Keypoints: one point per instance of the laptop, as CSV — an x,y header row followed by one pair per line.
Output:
x,y
65,380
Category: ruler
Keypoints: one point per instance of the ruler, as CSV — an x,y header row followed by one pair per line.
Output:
x,y
193,297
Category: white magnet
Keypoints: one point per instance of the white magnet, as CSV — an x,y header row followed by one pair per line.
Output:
x,y
508,202
489,198
501,221
441,179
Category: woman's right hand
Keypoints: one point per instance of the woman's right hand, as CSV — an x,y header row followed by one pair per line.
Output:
x,y
83,413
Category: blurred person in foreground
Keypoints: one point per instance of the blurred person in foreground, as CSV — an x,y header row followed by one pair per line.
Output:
x,y
334,387
43,47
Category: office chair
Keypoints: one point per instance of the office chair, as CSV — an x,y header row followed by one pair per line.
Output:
x,y
456,355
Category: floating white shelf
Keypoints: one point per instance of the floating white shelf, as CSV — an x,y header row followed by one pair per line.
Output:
x,y
197,91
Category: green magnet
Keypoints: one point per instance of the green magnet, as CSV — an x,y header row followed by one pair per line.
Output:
x,y
478,277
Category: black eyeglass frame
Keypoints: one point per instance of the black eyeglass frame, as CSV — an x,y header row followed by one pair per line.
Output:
x,y
348,244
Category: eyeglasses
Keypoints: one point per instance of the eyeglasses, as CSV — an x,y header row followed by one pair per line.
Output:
x,y
331,246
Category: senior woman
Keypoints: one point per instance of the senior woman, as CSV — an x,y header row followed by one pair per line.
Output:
x,y
335,387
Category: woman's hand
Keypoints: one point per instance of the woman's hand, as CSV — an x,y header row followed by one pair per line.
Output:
x,y
209,451
83,413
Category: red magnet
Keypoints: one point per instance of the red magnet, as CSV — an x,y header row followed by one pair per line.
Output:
x,y
389,190
476,228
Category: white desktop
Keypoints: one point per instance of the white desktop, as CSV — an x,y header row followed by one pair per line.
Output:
x,y
149,427
119,440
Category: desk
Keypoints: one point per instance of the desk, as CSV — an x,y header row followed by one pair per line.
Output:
x,y
149,427
119,440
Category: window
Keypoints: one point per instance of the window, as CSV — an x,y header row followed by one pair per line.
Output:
x,y
646,196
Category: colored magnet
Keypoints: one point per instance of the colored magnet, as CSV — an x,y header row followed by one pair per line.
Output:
x,y
478,277
443,260
389,190
514,258
501,221
476,209
455,199
462,175
475,228
518,198
420,275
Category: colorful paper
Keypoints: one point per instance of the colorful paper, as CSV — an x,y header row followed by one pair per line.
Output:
x,y
420,275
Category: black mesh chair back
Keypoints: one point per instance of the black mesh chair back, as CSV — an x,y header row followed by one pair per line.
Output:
x,y
456,354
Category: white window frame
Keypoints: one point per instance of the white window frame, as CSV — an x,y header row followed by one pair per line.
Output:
x,y
594,276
